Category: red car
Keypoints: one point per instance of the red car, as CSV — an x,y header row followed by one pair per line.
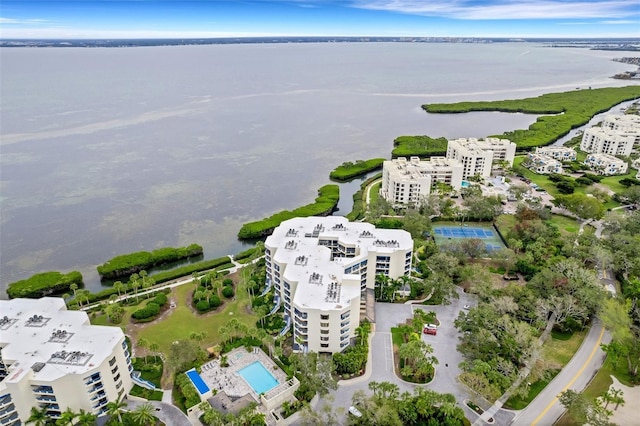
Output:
x,y
430,329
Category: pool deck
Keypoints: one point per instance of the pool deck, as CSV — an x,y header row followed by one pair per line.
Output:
x,y
228,380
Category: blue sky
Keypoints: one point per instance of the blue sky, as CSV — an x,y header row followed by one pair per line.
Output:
x,y
237,18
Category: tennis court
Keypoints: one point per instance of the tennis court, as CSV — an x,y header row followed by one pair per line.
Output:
x,y
444,234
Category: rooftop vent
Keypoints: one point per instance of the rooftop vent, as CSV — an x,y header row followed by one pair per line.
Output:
x,y
36,367
315,278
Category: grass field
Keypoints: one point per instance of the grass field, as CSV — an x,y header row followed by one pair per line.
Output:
x,y
375,192
182,321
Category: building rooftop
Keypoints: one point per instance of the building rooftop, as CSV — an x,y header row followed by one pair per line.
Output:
x,y
41,335
326,286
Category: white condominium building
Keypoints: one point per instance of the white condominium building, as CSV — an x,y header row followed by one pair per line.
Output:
x,y
478,155
606,164
621,122
543,164
319,268
408,182
560,153
55,359
600,141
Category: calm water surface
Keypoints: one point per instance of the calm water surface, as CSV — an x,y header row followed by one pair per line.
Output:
x,y
109,151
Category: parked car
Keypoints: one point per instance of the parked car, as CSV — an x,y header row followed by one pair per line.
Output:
x,y
430,329
466,307
354,412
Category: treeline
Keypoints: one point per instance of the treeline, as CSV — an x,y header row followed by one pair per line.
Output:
x,y
127,264
44,284
572,109
349,170
324,205
420,146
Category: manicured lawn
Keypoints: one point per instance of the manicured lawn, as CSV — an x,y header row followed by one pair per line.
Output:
x,y
554,351
182,321
613,182
565,224
375,192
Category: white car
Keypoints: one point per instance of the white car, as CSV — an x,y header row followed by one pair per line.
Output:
x,y
354,412
467,307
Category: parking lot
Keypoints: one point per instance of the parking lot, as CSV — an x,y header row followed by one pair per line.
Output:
x,y
444,344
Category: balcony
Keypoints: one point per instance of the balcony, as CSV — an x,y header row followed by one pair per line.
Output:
x,y
100,394
42,389
96,388
10,420
46,398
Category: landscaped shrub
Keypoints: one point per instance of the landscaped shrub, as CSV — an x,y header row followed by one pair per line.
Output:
x,y
228,292
185,393
161,299
147,313
227,282
44,284
214,301
203,305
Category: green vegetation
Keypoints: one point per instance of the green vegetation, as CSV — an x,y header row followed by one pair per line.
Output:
x,y
349,170
354,359
324,204
152,395
127,264
572,109
421,146
45,284
360,199
183,321
556,353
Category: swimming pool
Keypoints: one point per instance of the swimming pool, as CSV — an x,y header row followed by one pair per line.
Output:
x,y
464,184
258,377
197,381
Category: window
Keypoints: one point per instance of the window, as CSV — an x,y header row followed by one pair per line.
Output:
x,y
324,345
324,339
324,331
324,317
324,324
112,361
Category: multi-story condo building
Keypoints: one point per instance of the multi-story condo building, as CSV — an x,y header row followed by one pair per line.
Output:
x,y
560,153
408,182
605,164
321,266
55,359
478,155
621,122
543,164
597,140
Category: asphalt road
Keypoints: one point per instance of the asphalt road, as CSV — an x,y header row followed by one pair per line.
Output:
x,y
576,375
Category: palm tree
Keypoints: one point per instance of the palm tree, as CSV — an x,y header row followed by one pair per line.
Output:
x,y
38,417
143,414
115,408
74,288
616,395
86,418
118,286
143,343
136,285
153,347
67,417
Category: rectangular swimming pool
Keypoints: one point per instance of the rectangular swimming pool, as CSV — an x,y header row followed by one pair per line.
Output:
x,y
258,377
197,381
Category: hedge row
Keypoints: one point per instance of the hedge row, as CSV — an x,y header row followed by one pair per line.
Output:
x,y
324,205
349,170
126,264
420,146
44,284
573,109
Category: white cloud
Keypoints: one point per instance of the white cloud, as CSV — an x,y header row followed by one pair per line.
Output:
x,y
506,9
11,21
620,22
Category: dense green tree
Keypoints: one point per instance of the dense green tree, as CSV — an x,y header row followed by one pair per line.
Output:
x,y
143,414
